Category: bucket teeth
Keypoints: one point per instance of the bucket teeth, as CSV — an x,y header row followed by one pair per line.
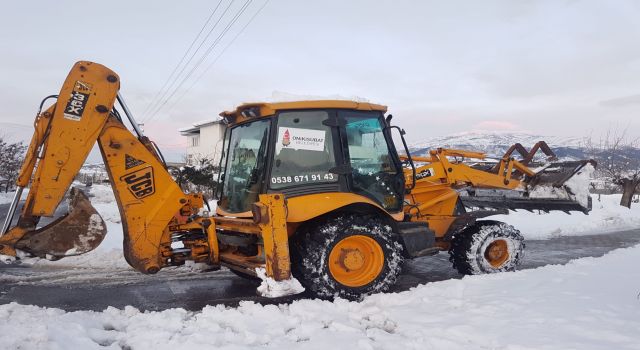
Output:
x,y
80,231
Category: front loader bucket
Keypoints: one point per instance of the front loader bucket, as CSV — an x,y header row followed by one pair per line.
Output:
x,y
563,182
79,231
562,186
558,174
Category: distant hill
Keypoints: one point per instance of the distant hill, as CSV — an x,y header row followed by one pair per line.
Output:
x,y
496,144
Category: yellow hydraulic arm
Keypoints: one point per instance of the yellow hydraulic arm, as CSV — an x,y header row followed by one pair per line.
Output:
x,y
148,198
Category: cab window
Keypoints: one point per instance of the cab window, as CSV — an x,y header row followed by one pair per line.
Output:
x,y
374,172
245,159
303,150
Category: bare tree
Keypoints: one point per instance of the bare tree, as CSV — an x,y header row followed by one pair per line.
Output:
x,y
11,156
618,158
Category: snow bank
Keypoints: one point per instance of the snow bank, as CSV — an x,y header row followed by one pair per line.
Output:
x,y
591,303
607,216
270,288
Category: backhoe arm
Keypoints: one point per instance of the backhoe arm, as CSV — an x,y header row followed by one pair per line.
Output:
x,y
63,137
149,200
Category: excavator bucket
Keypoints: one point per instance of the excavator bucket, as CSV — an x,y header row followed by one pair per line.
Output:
x,y
562,186
79,231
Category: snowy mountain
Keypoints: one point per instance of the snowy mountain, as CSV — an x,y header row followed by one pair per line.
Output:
x,y
496,144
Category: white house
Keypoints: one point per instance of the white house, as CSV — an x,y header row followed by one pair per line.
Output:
x,y
205,141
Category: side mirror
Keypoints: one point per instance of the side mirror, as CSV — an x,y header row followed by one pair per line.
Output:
x,y
388,120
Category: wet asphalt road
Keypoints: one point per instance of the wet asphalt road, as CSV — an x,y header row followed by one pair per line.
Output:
x,y
76,288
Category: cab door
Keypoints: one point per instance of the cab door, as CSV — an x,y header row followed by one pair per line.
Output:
x,y
375,167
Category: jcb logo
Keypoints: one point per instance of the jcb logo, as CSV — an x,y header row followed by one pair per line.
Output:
x,y
140,182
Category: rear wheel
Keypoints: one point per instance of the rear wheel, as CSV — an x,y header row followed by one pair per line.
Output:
x,y
487,247
347,256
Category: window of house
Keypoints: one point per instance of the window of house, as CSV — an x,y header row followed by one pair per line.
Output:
x,y
195,141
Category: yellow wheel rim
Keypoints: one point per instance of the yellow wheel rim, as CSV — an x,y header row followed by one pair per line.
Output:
x,y
356,261
497,253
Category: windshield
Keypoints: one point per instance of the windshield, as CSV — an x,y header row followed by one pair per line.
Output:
x,y
244,165
303,150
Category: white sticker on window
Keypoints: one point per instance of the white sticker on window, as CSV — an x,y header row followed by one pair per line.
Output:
x,y
306,139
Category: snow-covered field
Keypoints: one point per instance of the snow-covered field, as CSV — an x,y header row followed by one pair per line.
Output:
x,y
590,303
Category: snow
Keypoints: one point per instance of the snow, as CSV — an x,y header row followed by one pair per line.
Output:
x,y
496,143
7,197
590,303
270,288
578,185
606,216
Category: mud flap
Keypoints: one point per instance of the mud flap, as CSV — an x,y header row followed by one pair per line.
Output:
x,y
78,232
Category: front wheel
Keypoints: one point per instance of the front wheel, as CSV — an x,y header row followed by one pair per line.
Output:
x,y
347,256
487,247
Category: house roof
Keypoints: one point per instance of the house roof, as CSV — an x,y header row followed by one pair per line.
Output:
x,y
195,127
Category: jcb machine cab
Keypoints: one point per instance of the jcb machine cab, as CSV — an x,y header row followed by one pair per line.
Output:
x,y
337,167
316,188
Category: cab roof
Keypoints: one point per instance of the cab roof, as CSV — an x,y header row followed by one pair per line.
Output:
x,y
263,109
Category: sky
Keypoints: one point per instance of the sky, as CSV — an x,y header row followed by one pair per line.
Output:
x,y
562,68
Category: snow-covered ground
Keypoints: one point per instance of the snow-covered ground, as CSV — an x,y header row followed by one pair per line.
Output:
x,y
606,216
590,303
7,197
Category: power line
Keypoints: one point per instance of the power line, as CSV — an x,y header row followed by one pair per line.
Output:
x,y
204,72
156,109
168,85
202,58
182,59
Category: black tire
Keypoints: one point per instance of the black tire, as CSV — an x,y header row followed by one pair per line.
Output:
x,y
313,244
470,248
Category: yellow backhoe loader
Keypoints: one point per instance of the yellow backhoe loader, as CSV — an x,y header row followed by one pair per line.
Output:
x,y
316,188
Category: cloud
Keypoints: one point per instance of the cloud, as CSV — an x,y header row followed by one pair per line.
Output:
x,y
496,125
622,101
